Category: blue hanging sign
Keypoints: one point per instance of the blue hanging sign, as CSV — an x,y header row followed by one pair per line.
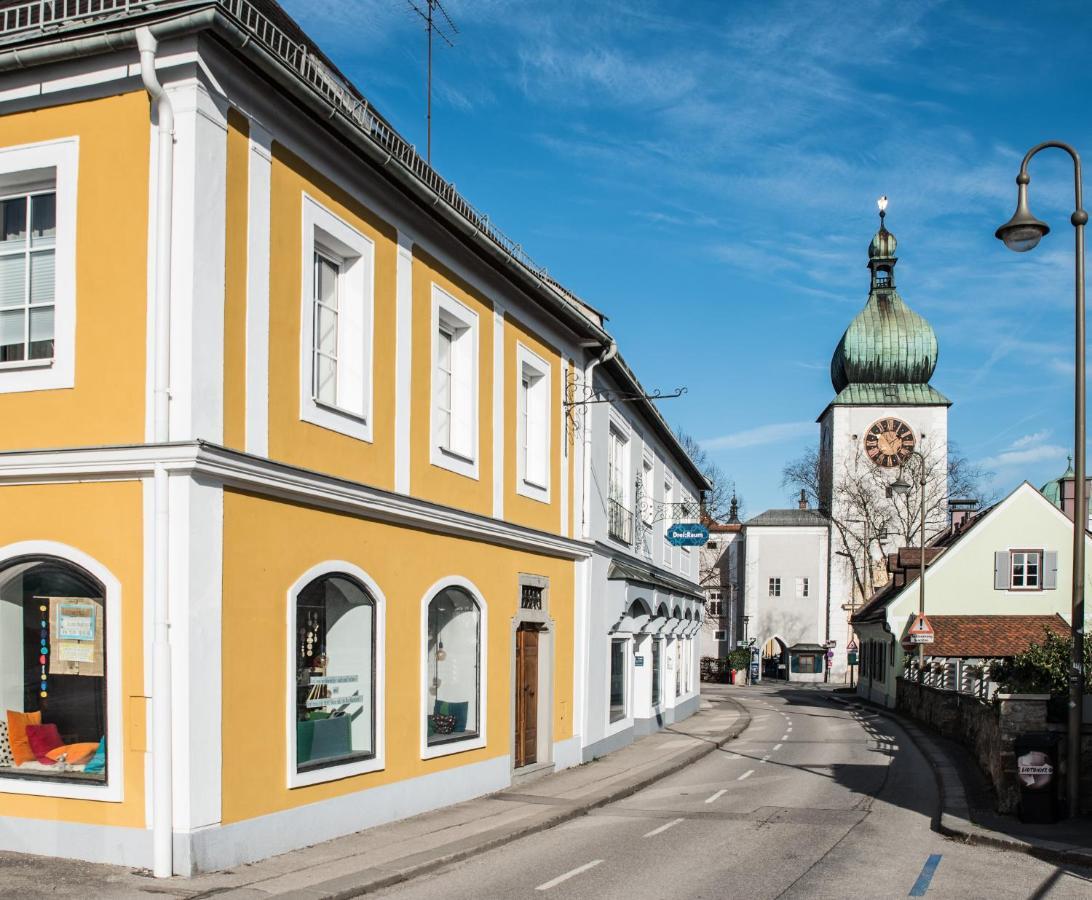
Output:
x,y
688,534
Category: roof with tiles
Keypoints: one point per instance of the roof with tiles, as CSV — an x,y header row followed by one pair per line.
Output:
x,y
788,518
988,637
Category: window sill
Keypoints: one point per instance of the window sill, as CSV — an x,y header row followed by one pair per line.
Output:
x,y
533,491
449,748
68,789
442,458
335,773
21,364
334,418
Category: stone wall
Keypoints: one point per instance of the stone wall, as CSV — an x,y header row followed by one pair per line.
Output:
x,y
987,728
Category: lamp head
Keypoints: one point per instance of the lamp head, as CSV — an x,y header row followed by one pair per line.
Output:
x,y
899,486
1023,231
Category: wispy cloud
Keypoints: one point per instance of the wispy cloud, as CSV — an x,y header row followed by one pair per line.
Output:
x,y
763,434
1025,450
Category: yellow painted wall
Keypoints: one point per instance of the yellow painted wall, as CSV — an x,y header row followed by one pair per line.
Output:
x,y
107,404
518,508
103,520
235,276
426,480
268,546
290,439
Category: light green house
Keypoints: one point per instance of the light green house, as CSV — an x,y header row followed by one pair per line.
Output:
x,y
992,582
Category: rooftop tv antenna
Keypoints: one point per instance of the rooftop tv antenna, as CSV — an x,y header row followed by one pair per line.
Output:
x,y
439,22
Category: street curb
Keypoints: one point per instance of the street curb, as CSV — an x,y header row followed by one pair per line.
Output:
x,y
342,889
953,820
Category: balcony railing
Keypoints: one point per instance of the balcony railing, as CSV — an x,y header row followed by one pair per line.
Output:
x,y
619,521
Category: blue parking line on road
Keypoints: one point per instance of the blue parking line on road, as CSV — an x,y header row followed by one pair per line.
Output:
x,y
926,876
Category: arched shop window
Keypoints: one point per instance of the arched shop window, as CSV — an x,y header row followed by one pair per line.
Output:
x,y
453,667
52,671
335,672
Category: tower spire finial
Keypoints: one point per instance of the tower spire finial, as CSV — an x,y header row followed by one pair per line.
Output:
x,y
882,204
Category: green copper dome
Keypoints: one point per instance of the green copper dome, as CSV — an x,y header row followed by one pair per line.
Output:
x,y
888,350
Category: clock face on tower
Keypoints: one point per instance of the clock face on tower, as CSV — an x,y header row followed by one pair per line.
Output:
x,y
889,443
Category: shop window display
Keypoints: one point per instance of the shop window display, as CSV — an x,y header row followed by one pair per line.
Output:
x,y
454,661
52,672
617,680
335,674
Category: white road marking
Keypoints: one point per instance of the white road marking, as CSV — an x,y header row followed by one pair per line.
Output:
x,y
663,828
733,756
554,882
746,774
785,736
778,746
765,758
717,795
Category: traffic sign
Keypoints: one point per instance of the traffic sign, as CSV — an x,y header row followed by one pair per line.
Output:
x,y
692,534
921,632
852,647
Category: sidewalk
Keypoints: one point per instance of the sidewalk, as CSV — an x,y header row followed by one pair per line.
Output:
x,y
966,800
385,855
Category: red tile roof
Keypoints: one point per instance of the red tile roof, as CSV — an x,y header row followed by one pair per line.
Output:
x,y
988,636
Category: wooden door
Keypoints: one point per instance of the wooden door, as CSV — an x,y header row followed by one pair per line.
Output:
x,y
526,696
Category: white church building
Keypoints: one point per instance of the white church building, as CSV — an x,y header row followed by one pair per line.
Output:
x,y
807,570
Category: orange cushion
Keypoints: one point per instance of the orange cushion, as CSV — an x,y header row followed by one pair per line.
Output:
x,y
76,753
17,734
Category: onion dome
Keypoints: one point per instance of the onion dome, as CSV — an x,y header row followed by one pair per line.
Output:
x,y
888,352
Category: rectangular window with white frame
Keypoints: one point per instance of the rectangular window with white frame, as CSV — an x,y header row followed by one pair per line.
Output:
x,y
37,266
454,428
1026,567
533,425
720,635
803,587
336,323
775,587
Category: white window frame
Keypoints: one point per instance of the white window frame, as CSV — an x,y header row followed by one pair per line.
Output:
x,y
669,517
462,322
775,586
531,366
1037,555
51,164
646,502
354,253
720,635
377,762
113,791
450,748
626,720
803,587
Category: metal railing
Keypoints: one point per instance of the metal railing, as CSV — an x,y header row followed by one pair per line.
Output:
x,y
969,677
52,15
619,521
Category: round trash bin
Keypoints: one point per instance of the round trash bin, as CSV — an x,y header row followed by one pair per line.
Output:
x,y
1037,772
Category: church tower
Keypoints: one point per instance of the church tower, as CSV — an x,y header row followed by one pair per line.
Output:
x,y
884,409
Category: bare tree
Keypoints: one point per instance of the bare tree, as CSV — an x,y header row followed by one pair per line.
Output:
x,y
867,520
718,501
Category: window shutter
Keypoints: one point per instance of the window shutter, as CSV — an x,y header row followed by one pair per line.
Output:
x,y
1050,570
1002,570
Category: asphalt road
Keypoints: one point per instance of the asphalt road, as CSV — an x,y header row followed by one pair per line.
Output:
x,y
815,800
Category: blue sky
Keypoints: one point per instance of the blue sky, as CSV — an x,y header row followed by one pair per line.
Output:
x,y
706,174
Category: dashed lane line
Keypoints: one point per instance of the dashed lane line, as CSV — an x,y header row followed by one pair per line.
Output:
x,y
716,796
579,870
746,774
785,736
777,746
663,828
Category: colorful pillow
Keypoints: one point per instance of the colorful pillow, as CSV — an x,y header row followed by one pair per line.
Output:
x,y
98,760
6,759
457,710
443,724
74,754
17,734
42,739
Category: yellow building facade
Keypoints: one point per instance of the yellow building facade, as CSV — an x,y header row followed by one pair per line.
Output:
x,y
291,474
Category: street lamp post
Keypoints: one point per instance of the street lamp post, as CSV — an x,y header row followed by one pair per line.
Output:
x,y
903,487
1022,233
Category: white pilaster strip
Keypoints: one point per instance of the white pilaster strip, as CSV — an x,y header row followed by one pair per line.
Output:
x,y
196,577
403,362
498,412
563,449
257,290
197,302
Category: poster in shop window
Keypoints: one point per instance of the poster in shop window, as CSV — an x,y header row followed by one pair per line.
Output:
x,y
75,636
